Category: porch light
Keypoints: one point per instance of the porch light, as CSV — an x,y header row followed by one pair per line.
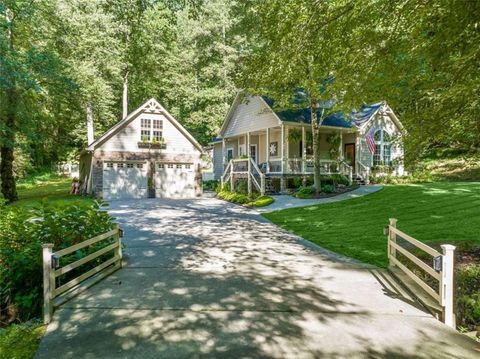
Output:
x,y
437,263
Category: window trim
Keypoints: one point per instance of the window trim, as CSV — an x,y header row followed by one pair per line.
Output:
x,y
382,145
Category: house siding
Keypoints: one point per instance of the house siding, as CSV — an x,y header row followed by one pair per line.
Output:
x,y
252,114
217,161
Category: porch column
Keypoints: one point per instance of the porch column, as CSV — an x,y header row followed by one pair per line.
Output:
x,y
224,153
267,146
303,150
249,178
282,179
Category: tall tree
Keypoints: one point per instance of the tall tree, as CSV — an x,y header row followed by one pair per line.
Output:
x,y
295,47
31,73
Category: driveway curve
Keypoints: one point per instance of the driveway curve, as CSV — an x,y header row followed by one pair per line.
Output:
x,y
204,278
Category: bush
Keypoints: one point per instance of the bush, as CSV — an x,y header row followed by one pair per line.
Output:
x,y
210,185
305,192
22,233
468,295
241,187
328,188
261,201
233,197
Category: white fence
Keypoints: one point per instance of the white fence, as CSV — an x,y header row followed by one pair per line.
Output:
x,y
54,296
441,269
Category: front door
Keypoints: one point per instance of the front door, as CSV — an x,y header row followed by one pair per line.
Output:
x,y
253,153
350,154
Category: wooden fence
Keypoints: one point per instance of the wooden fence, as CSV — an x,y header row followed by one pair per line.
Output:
x,y
55,296
441,269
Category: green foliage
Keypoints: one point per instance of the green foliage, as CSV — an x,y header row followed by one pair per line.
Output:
x,y
22,232
233,197
328,188
261,201
211,185
242,187
305,192
467,279
20,341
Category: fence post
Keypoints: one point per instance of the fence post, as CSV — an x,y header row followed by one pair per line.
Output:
x,y
392,237
446,284
48,283
119,253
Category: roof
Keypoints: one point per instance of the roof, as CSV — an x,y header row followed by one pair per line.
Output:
x,y
150,106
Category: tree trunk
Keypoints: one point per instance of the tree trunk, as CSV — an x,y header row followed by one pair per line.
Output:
x,y
90,132
125,95
316,153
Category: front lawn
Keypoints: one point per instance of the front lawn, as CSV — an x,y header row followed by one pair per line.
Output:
x,y
20,341
435,213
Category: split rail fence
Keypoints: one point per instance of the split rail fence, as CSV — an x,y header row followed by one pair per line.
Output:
x,y
54,296
441,269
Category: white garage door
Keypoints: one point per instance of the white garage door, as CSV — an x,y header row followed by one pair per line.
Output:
x,y
175,180
122,180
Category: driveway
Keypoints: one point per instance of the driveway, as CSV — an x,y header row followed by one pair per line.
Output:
x,y
204,278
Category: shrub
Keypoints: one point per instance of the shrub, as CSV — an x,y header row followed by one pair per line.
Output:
x,y
328,188
339,179
305,192
22,233
261,201
210,185
233,197
241,187
468,295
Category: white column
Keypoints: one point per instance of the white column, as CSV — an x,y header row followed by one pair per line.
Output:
x,y
267,146
48,284
224,153
446,284
282,158
249,178
304,167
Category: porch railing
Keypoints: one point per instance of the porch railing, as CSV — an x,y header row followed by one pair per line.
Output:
x,y
441,269
54,295
364,172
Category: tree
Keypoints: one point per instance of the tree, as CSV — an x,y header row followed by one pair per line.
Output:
x,y
294,54
31,73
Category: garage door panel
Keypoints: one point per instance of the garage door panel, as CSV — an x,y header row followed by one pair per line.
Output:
x,y
174,182
122,182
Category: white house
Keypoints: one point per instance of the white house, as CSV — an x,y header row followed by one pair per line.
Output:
x,y
147,154
261,144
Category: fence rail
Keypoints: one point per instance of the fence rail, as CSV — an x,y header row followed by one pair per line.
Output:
x,y
441,269
54,296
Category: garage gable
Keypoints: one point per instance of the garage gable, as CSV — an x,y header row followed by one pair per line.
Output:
x,y
148,128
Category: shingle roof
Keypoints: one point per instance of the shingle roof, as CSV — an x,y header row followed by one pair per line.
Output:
x,y
335,119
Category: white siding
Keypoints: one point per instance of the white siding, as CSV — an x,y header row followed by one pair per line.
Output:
x,y
126,140
251,114
217,161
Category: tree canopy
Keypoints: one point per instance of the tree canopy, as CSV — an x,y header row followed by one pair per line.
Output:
x,y
62,59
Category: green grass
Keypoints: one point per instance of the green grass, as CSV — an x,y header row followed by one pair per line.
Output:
x,y
20,341
435,213
46,186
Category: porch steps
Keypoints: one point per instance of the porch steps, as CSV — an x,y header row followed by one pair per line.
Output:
x,y
358,179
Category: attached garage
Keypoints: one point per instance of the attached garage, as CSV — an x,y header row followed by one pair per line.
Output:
x,y
123,180
175,180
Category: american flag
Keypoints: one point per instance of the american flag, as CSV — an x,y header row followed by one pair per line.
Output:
x,y
370,138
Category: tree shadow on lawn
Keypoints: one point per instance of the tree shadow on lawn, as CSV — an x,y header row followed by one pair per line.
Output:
x,y
218,284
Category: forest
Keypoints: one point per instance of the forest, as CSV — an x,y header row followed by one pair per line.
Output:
x,y
61,60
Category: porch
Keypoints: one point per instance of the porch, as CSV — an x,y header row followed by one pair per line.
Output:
x,y
287,151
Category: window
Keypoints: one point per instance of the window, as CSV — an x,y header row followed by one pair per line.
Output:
x,y
109,164
158,124
179,165
383,153
161,166
187,166
139,165
170,165
157,135
229,154
151,130
129,165
119,165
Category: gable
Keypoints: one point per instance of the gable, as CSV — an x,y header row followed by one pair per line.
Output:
x,y
383,117
248,115
126,135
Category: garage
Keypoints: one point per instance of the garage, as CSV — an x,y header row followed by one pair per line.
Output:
x,y
123,180
175,180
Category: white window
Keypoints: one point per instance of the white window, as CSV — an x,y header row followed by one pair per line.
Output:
x,y
129,165
383,153
170,165
151,130
119,165
161,166
187,166
139,165
179,165
109,164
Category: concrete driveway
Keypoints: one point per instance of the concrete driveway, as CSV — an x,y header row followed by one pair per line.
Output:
x,y
203,278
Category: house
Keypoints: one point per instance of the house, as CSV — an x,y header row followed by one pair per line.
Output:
x,y
267,147
147,154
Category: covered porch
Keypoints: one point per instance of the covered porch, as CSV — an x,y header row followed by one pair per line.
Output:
x,y
287,151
